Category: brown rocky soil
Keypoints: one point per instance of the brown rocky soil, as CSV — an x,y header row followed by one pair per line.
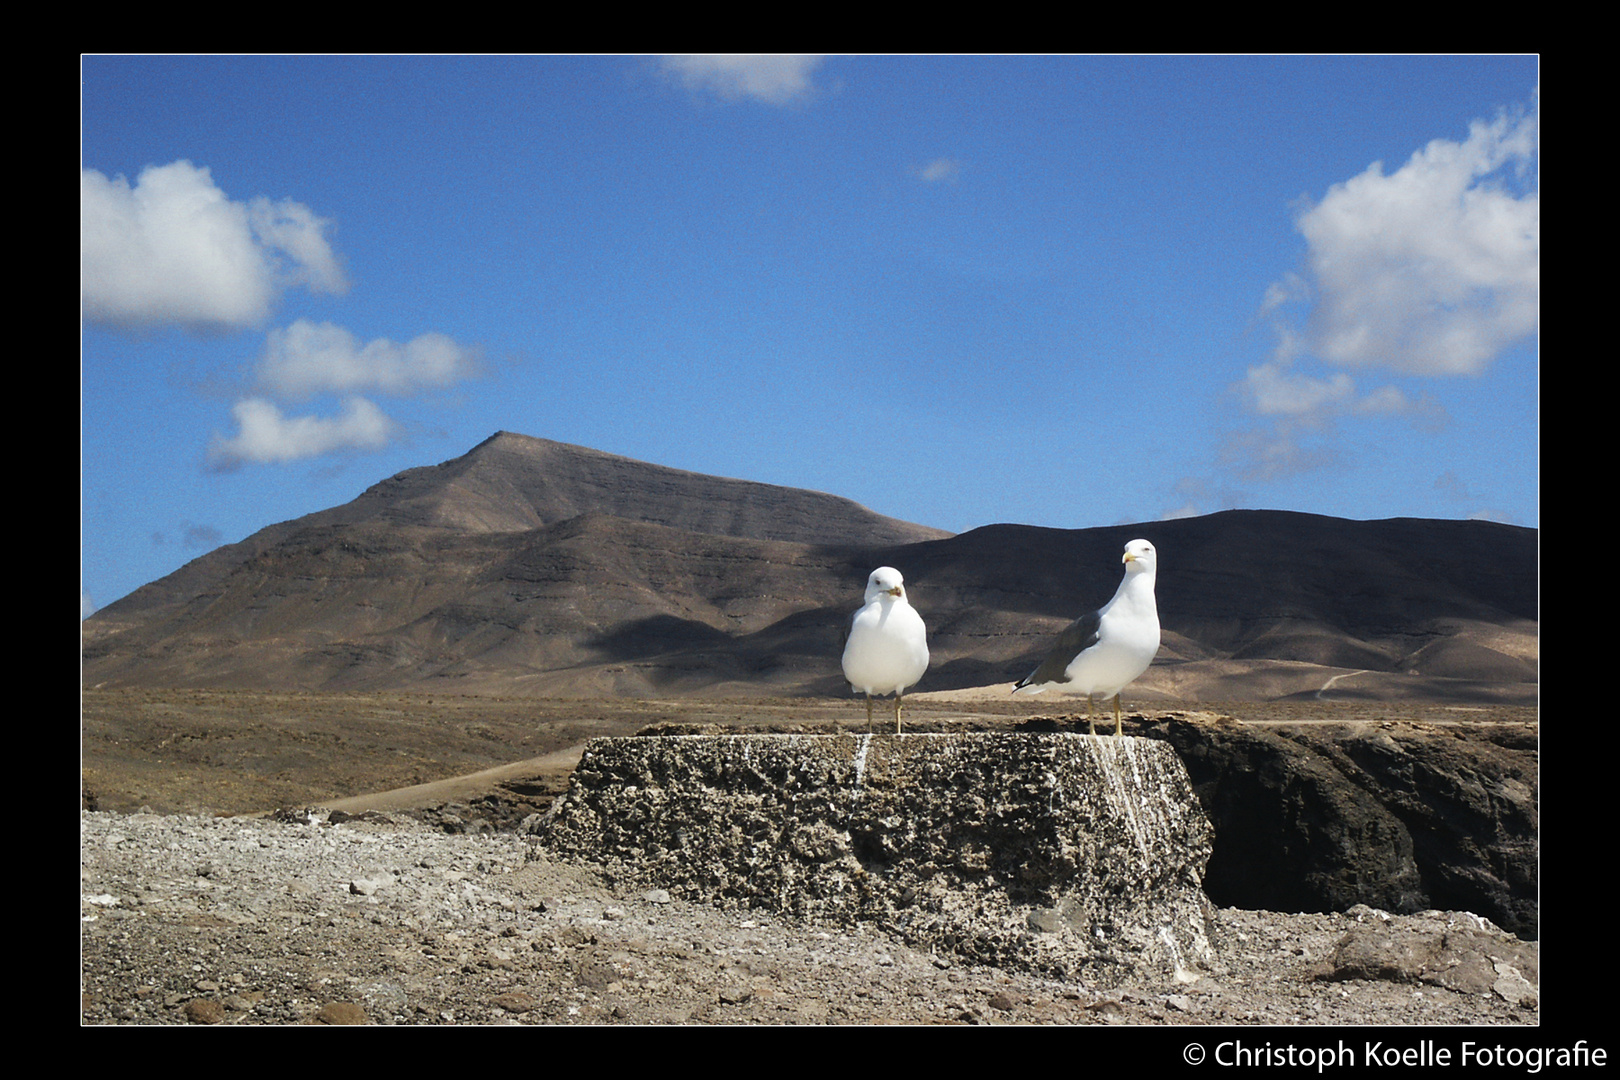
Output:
x,y
421,911
386,920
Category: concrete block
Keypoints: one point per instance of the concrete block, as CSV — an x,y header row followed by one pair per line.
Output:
x,y
1076,856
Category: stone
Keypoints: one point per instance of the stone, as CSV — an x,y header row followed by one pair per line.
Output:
x,y
368,884
1068,855
1457,950
515,1001
204,1011
340,1013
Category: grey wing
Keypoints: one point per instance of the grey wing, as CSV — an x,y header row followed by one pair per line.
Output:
x,y
1076,637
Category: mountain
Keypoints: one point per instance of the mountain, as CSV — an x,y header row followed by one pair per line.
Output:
x,y
515,483
1262,603
533,567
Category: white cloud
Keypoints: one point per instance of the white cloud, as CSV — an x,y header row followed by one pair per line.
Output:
x,y
174,249
1434,269
772,79
294,229
265,436
309,358
1423,412
939,170
1301,412
1263,456
1274,389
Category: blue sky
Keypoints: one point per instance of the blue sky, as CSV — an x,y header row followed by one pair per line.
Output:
x,y
1066,291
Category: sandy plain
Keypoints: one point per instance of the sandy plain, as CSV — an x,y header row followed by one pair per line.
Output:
x,y
242,752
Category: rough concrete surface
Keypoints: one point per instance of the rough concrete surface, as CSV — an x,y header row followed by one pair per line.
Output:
x,y
1069,855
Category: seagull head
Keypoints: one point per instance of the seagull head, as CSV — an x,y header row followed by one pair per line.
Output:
x,y
885,581
1140,557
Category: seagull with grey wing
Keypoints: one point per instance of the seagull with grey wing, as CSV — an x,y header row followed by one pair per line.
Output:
x,y
1100,654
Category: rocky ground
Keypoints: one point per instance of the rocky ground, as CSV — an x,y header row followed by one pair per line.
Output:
x,y
418,911
390,919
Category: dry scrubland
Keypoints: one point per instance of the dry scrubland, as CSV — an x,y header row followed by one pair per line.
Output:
x,y
239,752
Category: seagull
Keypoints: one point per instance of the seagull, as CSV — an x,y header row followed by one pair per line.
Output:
x,y
887,649
1102,653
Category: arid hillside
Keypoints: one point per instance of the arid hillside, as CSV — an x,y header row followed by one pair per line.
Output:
x,y
529,567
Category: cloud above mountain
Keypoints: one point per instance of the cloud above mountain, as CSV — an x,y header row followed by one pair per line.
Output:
x,y
172,248
265,436
308,358
1431,271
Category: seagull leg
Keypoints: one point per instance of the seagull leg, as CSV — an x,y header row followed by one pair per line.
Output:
x,y
1119,725
1091,720
868,712
897,714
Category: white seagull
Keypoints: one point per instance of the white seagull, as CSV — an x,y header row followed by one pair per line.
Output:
x,y
1102,653
887,649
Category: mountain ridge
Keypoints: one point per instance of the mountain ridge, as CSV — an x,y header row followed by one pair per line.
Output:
x,y
529,566
511,482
